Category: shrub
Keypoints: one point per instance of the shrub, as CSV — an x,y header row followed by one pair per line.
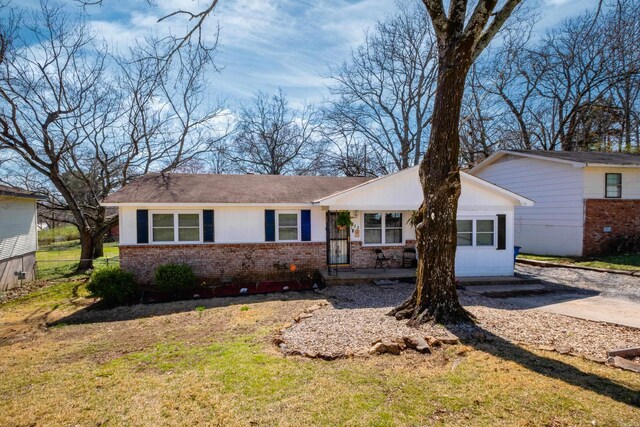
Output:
x,y
113,285
175,277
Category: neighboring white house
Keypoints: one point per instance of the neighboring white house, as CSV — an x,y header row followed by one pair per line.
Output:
x,y
251,225
18,236
585,201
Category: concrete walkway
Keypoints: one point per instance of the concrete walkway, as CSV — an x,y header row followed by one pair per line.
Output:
x,y
598,308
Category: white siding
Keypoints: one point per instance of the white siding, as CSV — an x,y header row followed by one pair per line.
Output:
x,y
18,235
402,191
232,224
554,225
594,182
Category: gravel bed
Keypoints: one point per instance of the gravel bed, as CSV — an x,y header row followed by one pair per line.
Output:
x,y
356,317
607,284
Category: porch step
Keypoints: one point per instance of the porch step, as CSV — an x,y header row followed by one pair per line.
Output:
x,y
368,275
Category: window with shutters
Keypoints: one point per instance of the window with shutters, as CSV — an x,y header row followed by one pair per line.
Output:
x,y
176,227
288,226
476,232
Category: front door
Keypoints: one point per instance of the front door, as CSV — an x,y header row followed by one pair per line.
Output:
x,y
338,242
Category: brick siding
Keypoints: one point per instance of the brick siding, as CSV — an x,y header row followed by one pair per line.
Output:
x,y
623,216
236,262
245,261
365,256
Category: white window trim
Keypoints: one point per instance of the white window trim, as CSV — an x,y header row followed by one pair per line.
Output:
x,y
175,214
384,228
474,245
298,215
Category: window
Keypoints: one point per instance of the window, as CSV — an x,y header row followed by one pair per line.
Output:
x,y
393,227
163,228
484,232
476,232
188,227
383,228
175,227
613,185
465,232
372,228
287,226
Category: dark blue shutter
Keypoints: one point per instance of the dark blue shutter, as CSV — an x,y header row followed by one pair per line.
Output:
x,y
502,232
270,225
207,226
142,225
305,221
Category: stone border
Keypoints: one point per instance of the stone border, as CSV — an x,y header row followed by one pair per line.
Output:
x,y
537,263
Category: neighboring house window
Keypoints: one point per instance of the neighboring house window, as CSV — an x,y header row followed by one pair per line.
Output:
x,y
476,232
288,226
613,185
382,228
175,227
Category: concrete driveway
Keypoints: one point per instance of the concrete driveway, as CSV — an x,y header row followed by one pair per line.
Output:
x,y
602,297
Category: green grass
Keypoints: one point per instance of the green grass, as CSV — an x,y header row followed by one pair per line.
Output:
x,y
616,262
172,366
58,234
61,259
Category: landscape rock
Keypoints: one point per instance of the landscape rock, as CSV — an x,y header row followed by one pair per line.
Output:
x,y
393,347
313,308
418,344
450,340
563,349
378,348
627,353
301,316
433,341
622,363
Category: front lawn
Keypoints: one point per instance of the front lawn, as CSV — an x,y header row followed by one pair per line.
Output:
x,y
629,261
213,362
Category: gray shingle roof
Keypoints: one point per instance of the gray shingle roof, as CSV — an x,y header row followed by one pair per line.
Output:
x,y
586,157
5,190
209,188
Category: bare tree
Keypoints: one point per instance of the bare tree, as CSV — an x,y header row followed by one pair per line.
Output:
x,y
272,138
384,92
87,131
460,40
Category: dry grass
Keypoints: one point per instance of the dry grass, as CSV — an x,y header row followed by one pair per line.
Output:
x,y
180,364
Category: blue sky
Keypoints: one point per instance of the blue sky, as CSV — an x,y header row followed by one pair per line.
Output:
x,y
266,44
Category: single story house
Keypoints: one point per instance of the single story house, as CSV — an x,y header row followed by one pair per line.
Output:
x,y
585,201
18,236
250,226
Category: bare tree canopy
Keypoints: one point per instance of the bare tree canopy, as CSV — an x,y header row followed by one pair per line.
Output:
x,y
87,123
384,92
275,139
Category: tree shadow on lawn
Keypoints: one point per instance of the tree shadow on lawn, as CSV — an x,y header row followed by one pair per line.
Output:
x,y
551,368
98,313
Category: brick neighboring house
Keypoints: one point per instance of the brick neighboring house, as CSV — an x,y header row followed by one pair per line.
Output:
x,y
238,227
18,236
585,201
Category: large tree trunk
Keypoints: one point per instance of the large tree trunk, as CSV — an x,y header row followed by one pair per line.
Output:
x,y
98,247
435,297
87,249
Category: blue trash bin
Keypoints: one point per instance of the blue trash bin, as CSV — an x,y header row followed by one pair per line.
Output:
x,y
516,251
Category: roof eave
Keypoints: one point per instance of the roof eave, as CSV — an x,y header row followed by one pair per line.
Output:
x,y
498,154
